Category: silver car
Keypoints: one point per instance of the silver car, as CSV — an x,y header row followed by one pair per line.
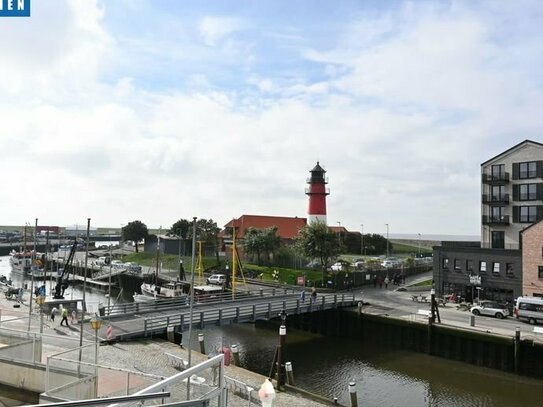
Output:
x,y
492,309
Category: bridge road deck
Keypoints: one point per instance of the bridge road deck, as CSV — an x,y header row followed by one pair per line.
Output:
x,y
156,322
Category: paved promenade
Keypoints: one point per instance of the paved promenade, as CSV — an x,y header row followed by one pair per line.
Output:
x,y
145,356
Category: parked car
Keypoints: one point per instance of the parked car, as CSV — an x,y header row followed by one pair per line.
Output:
x,y
117,264
359,263
492,309
391,262
102,261
134,267
217,279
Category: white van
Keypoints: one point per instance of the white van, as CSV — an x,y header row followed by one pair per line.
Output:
x,y
529,309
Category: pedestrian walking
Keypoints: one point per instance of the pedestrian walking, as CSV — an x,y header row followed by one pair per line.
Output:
x,y
386,282
54,312
380,282
302,296
313,294
64,315
74,316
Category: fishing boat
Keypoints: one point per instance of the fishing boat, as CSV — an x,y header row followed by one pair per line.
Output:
x,y
152,292
21,262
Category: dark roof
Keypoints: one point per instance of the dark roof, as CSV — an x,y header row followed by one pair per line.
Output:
x,y
317,168
511,149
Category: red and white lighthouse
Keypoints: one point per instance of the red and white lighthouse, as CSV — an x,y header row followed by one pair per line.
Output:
x,y
317,192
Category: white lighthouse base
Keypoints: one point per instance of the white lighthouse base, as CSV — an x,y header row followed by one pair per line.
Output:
x,y
316,218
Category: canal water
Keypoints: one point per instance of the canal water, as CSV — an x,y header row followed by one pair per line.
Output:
x,y
384,376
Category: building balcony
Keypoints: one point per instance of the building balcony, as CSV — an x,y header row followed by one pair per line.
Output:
x,y
496,220
496,199
494,179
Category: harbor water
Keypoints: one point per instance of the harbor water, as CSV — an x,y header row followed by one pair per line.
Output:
x,y
325,365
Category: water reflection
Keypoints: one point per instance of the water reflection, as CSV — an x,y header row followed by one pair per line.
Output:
x,y
384,376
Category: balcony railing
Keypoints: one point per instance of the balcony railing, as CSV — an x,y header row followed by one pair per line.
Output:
x,y
496,199
496,220
496,178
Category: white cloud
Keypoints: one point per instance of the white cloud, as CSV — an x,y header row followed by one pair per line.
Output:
x,y
401,111
213,28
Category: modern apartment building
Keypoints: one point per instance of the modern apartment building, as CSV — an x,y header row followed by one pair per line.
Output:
x,y
511,201
512,195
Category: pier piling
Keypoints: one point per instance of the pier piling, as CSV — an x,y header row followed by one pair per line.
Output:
x,y
352,394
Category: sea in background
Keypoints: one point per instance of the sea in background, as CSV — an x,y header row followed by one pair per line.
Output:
x,y
433,237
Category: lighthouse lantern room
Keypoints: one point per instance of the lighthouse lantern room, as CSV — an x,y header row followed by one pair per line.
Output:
x,y
317,192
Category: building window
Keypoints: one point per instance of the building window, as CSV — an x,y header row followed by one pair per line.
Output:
x,y
495,267
445,263
497,213
498,193
469,265
527,170
528,214
509,269
540,272
498,240
457,265
482,266
527,192
498,171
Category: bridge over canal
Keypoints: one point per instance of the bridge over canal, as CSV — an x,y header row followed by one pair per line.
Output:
x,y
139,320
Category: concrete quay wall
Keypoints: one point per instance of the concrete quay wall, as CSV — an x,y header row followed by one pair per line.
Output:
x,y
450,342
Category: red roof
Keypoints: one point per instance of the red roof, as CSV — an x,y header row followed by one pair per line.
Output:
x,y
287,228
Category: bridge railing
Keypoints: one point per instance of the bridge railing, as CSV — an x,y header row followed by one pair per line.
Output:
x,y
246,312
167,304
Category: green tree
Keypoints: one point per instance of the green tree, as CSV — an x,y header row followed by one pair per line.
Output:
x,y
134,231
261,241
207,231
317,241
272,242
376,244
253,243
181,229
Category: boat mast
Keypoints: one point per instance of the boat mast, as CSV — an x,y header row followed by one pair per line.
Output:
x,y
157,258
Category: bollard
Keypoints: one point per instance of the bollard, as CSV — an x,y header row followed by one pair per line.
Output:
x,y
235,355
290,373
472,320
517,348
170,333
360,307
202,344
352,394
335,400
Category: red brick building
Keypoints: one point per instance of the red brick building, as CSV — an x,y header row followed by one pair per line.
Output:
x,y
287,228
532,260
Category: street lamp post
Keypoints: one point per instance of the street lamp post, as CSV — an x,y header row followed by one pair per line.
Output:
x,y
419,245
282,347
339,231
386,224
96,324
361,239
40,299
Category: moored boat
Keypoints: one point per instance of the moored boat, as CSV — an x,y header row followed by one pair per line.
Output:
x,y
21,262
160,292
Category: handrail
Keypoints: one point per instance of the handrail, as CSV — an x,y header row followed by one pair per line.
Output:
x,y
327,301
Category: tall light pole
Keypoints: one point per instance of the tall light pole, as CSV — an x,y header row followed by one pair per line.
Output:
x,y
419,245
386,224
339,231
361,239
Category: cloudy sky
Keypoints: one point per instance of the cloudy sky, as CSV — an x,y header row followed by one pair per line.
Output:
x,y
160,110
